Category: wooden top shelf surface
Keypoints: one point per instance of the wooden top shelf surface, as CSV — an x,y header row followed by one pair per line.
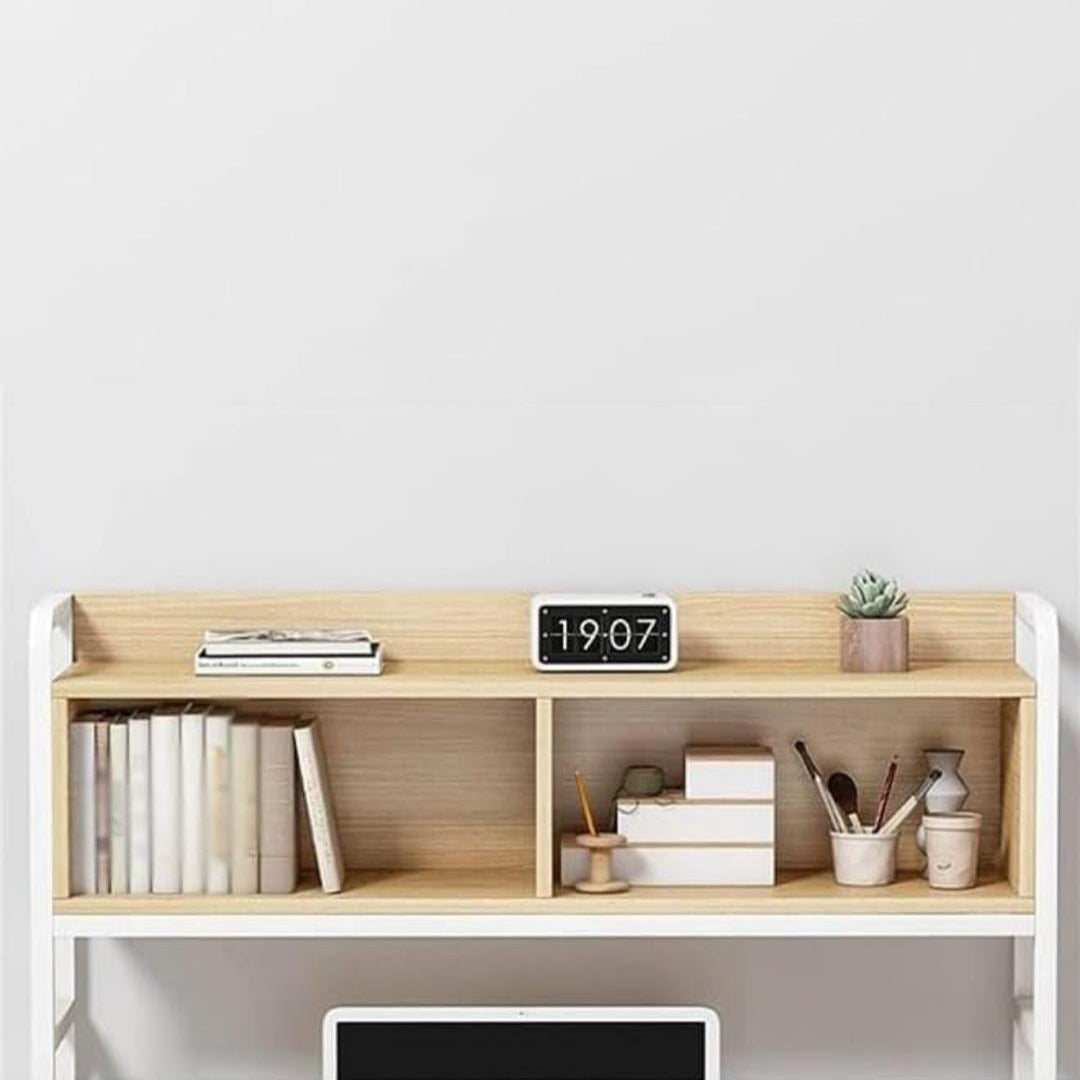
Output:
x,y
434,892
511,679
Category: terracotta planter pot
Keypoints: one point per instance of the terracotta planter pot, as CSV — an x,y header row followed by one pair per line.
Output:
x,y
874,644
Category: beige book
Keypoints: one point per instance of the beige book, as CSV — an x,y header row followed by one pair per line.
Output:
x,y
102,824
139,802
320,806
165,799
82,804
277,809
244,808
216,778
118,805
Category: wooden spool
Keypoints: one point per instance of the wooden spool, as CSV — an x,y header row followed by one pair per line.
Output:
x,y
600,863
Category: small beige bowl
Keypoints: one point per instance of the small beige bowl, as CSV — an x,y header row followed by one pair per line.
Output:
x,y
952,849
864,859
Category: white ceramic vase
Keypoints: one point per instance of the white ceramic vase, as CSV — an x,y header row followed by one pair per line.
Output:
x,y
948,794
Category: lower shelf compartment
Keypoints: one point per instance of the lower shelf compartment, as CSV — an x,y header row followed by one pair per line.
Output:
x,y
510,892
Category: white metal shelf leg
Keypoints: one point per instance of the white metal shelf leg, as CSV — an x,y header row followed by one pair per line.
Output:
x,y
52,647
1023,1037
1035,959
64,975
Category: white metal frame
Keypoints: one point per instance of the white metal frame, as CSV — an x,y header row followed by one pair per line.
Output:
x,y
53,1004
534,1014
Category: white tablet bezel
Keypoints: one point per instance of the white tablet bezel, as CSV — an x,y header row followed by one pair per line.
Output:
x,y
708,1018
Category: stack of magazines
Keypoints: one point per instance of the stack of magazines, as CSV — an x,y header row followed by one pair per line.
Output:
x,y
288,652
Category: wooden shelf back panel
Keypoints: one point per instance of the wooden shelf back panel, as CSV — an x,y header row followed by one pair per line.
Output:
x,y
754,627
603,737
805,626
164,627
434,785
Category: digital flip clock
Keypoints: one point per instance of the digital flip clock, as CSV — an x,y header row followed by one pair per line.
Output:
x,y
616,632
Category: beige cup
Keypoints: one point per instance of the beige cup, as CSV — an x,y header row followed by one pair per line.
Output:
x,y
952,849
863,858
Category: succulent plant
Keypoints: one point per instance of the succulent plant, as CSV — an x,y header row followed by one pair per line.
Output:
x,y
872,596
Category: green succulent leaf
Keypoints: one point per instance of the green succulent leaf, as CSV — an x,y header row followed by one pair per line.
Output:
x,y
872,596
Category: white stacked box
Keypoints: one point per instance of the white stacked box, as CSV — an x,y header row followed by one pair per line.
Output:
x,y
720,831
730,772
677,864
672,819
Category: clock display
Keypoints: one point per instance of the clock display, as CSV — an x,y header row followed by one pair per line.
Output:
x,y
602,634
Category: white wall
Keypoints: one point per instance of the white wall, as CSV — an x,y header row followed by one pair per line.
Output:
x,y
485,295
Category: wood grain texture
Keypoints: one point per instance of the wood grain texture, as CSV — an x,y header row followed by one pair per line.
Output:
x,y
602,738
434,785
61,812
511,679
874,644
163,627
159,627
1018,777
429,892
545,820
806,626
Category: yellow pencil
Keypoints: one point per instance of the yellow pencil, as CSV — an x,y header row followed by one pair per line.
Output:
x,y
583,798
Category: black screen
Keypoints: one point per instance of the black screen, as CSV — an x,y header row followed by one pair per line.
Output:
x,y
599,634
530,1050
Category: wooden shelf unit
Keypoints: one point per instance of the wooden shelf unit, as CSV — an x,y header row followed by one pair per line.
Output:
x,y
450,772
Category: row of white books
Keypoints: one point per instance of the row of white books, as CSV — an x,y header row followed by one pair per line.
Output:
x,y
191,799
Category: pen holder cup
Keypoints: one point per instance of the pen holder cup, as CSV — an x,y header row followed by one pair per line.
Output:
x,y
952,849
864,858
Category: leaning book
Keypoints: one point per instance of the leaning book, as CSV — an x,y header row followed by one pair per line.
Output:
x,y
315,778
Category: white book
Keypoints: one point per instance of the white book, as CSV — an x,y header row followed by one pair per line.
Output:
x,y
244,808
192,800
118,806
165,799
81,805
139,802
320,807
218,725
289,665
290,647
277,809
273,642
101,806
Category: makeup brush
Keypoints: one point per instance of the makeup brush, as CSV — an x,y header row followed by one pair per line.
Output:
x,y
845,794
836,819
886,792
913,800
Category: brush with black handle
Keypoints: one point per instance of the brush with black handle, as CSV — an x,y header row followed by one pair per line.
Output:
x,y
836,818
